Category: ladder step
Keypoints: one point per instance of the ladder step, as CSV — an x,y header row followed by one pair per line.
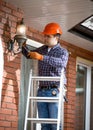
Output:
x,y
41,78
45,99
43,120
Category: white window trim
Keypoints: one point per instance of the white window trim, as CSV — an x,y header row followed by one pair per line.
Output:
x,y
33,43
88,65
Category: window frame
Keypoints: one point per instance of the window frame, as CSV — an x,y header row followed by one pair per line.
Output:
x,y
88,64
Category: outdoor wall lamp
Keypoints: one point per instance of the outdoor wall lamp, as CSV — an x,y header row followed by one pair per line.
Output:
x,y
15,45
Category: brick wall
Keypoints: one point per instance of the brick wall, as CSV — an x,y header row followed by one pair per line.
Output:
x,y
9,15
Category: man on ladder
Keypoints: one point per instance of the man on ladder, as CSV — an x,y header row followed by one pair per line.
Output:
x,y
52,58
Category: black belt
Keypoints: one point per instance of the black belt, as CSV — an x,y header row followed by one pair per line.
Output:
x,y
48,87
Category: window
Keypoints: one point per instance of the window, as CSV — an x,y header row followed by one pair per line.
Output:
x,y
84,103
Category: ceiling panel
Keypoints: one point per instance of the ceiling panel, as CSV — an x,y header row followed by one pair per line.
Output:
x,y
66,12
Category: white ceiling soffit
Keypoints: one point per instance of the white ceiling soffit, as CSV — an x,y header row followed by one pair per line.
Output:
x,y
65,12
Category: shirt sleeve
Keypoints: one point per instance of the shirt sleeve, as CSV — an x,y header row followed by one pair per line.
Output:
x,y
57,61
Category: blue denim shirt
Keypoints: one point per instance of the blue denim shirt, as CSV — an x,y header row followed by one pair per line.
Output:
x,y
54,61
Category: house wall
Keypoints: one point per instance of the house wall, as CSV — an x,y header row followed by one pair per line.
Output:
x,y
9,16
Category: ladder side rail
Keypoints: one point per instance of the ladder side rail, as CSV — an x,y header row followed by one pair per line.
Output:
x,y
62,105
31,102
28,95
61,101
35,86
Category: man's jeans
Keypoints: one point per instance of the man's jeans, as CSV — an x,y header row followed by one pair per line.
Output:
x,y
46,109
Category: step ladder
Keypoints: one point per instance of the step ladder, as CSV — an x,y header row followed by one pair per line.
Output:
x,y
32,99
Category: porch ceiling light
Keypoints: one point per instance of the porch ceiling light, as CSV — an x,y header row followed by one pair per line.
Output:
x,y
19,38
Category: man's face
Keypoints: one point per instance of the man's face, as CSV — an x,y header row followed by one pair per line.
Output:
x,y
50,40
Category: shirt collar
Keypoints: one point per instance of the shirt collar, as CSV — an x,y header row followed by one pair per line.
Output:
x,y
57,45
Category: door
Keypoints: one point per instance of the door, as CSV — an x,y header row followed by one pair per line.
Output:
x,y
83,94
26,66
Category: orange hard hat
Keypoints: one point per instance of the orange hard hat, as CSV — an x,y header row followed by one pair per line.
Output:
x,y
52,28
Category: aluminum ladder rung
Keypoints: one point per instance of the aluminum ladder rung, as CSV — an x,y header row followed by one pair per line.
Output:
x,y
44,99
43,120
41,78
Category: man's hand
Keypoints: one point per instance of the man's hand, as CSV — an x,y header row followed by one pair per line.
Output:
x,y
35,55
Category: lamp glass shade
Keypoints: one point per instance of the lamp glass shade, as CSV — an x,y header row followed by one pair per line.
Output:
x,y
21,29
20,36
